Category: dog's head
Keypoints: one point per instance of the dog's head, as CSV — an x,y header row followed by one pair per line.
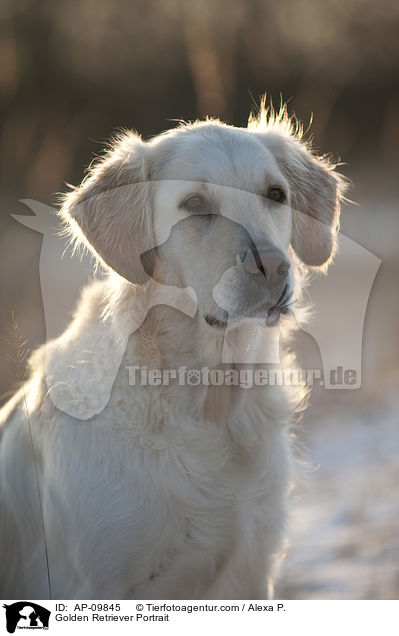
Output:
x,y
228,211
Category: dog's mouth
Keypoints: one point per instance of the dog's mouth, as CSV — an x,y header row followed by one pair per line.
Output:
x,y
272,315
219,323
282,307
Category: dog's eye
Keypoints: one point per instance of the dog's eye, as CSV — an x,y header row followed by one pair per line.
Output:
x,y
276,194
194,203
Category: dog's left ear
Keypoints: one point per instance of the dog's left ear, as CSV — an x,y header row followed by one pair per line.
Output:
x,y
110,212
316,194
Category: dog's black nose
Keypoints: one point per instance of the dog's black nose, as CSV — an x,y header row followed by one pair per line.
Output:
x,y
271,262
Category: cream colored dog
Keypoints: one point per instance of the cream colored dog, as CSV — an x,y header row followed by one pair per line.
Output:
x,y
167,490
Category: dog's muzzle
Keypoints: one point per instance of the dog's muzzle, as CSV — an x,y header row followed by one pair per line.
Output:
x,y
258,286
268,261
271,263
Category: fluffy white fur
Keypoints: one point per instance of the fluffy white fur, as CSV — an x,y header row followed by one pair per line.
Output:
x,y
171,491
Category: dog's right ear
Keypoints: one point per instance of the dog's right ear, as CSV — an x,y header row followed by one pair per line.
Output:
x,y
110,213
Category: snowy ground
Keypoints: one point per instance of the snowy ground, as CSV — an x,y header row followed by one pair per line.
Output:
x,y
344,536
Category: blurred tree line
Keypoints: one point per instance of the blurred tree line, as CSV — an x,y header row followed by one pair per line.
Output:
x,y
72,72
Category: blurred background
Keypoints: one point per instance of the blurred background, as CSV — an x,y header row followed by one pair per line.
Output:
x,y
72,73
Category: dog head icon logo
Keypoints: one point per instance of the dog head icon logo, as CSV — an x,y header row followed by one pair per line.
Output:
x,y
63,273
25,614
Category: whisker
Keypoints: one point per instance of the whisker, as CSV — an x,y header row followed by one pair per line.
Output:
x,y
282,295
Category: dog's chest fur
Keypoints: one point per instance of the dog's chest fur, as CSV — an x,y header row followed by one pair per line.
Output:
x,y
151,498
188,505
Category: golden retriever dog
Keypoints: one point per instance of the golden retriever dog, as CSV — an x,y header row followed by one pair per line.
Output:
x,y
172,486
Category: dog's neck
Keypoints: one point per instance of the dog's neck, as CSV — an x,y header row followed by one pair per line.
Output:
x,y
179,342
167,339
218,402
